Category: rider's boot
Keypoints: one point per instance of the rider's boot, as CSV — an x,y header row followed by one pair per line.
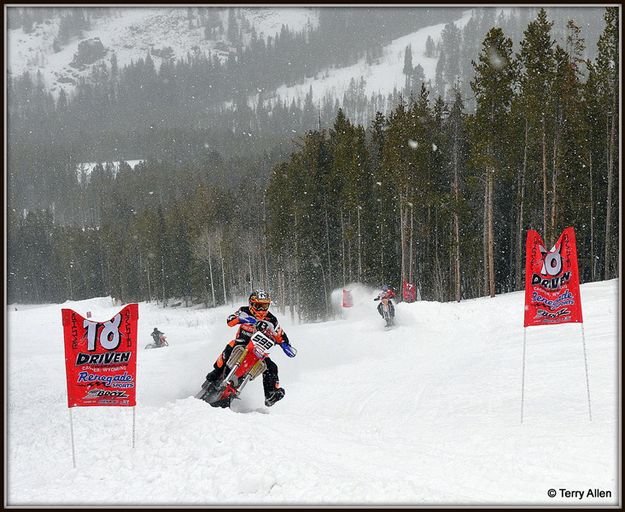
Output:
x,y
273,396
214,375
218,365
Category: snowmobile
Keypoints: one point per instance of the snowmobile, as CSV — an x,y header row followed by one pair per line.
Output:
x,y
162,342
244,365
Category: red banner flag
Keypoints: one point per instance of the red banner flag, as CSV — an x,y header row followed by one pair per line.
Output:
x,y
101,358
348,301
409,292
552,293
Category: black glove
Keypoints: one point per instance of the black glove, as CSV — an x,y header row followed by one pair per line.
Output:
x,y
262,326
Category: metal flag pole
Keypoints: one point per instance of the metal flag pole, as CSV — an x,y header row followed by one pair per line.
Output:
x,y
586,368
71,429
133,426
523,374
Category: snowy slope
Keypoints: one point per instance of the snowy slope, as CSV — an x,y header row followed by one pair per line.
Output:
x,y
380,77
130,33
425,414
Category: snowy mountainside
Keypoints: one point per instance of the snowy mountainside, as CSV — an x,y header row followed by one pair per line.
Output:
x,y
427,413
382,76
130,32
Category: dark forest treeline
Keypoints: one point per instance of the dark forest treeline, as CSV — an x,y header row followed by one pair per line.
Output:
x,y
429,192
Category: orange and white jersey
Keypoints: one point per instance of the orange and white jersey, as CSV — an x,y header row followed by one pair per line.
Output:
x,y
246,330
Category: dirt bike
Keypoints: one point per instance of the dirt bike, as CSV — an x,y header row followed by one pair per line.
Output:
x,y
162,343
244,365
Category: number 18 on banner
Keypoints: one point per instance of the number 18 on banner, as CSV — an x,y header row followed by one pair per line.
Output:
x,y
101,358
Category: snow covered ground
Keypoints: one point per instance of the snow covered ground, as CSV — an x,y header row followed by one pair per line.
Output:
x,y
425,414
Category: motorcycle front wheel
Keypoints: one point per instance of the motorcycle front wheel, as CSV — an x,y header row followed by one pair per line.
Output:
x,y
211,394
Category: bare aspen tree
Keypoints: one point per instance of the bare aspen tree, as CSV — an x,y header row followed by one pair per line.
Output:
x,y
410,258
202,251
592,220
358,208
343,249
545,187
223,270
608,215
328,242
491,235
520,201
485,240
456,192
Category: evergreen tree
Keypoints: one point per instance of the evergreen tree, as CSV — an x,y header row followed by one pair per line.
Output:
x,y
457,148
607,69
407,70
493,89
430,48
537,62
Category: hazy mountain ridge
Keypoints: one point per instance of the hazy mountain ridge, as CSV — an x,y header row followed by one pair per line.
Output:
x,y
131,33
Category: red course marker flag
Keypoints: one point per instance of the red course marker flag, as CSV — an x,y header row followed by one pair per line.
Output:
x,y
348,301
409,292
552,293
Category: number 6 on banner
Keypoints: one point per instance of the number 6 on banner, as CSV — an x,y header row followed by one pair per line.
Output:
x,y
109,336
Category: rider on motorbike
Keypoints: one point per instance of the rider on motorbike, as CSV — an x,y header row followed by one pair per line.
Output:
x,y
258,308
386,294
156,336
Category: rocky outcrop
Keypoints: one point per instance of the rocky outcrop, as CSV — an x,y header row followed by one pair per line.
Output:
x,y
88,52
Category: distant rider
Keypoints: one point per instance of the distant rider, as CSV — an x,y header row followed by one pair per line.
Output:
x,y
258,308
156,336
388,294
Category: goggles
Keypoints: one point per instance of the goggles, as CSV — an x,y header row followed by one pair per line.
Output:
x,y
260,306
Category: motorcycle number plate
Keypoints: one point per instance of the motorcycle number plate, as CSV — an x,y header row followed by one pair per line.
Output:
x,y
262,343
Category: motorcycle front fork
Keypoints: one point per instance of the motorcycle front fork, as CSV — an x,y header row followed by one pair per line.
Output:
x,y
244,382
233,370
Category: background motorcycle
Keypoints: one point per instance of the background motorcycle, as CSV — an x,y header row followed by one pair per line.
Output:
x,y
163,343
